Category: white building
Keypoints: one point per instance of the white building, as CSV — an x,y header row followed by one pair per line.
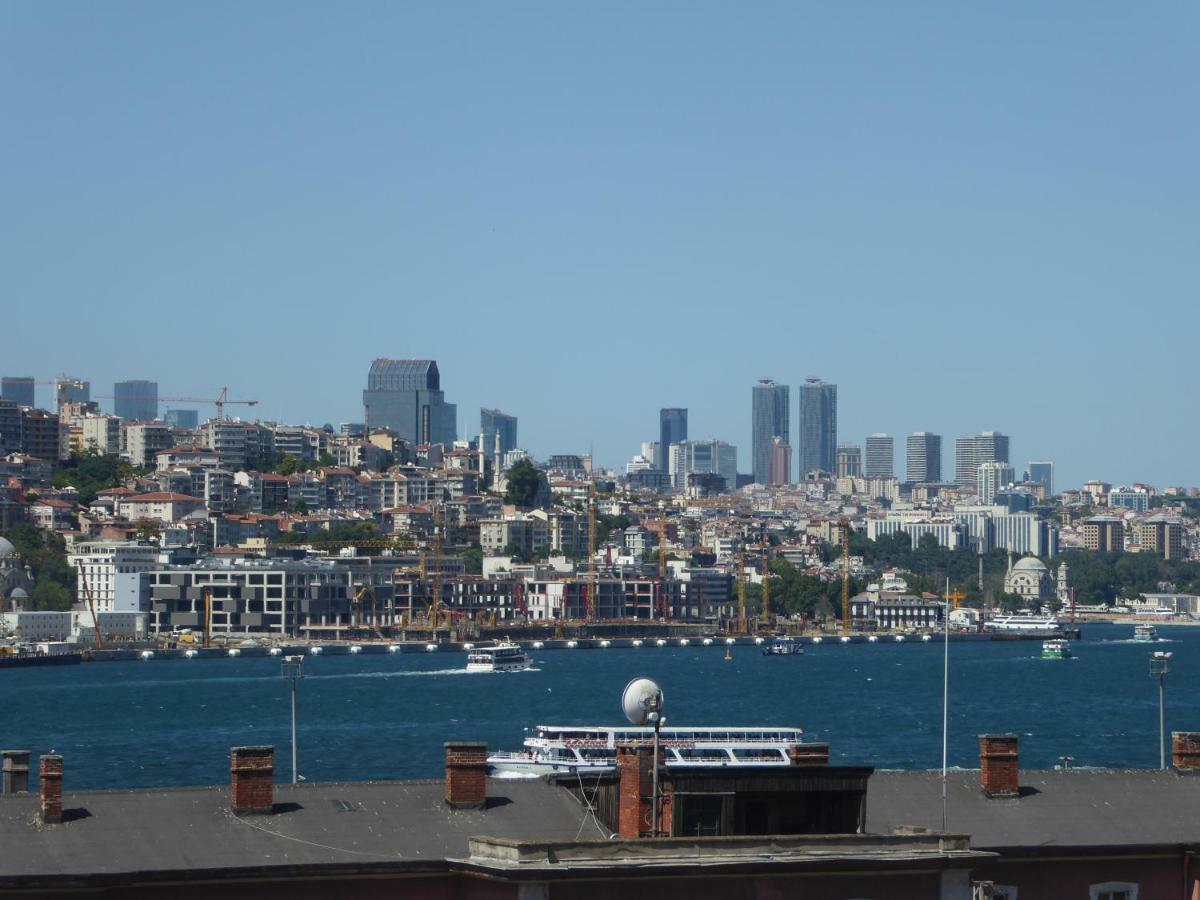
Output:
x,y
100,562
991,478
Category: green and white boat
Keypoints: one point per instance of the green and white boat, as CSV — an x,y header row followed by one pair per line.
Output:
x,y
1056,649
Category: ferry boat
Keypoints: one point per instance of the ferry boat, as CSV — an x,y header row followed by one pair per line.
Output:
x,y
1056,649
593,750
1147,633
783,645
1023,624
505,656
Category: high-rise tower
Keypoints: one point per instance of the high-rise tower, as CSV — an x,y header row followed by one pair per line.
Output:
x,y
880,458
769,419
136,401
818,426
924,458
405,395
672,429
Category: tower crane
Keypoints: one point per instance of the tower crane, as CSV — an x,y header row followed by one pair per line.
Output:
x,y
222,400
741,619
766,583
844,527
590,599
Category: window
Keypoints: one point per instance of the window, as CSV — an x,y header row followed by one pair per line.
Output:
x,y
1113,890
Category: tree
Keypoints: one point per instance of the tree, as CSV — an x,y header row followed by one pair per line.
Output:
x,y
289,465
48,594
524,483
147,529
473,559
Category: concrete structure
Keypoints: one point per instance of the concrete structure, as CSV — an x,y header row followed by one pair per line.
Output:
x,y
18,389
879,460
672,429
770,411
818,427
44,435
991,478
158,507
405,395
136,401
1162,536
923,463
704,457
974,450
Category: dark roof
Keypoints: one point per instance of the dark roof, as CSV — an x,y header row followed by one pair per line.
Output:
x,y
1064,808
187,829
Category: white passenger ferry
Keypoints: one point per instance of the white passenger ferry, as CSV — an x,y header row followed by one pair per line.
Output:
x,y
588,750
503,657
1024,624
1146,633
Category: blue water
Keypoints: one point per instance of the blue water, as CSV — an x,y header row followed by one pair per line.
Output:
x,y
159,723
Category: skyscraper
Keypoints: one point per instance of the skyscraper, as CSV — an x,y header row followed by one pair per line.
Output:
x,y
973,451
17,389
1042,471
136,401
818,426
849,461
493,422
770,413
182,418
924,458
781,462
672,429
405,395
880,458
991,478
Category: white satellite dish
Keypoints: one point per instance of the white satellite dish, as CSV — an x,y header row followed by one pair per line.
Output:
x,y
642,701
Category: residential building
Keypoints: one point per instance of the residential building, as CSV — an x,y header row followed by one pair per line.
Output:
x,y
818,427
1104,533
923,464
10,427
974,450
769,422
879,460
18,390
494,424
136,401
405,395
1135,498
780,471
182,418
158,507
99,563
991,478
525,534
141,442
672,429
1163,536
97,434
44,435
849,461
239,443
1042,472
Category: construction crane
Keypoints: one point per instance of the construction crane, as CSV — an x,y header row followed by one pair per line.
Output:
x,y
766,584
844,526
87,592
222,400
365,590
741,619
589,601
664,605
62,384
207,618
435,602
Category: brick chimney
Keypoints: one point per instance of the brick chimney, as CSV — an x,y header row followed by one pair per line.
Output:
x,y
1185,750
466,774
999,765
635,765
15,771
809,754
252,779
50,776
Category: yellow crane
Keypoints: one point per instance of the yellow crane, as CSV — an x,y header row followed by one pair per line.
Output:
x,y
590,606
844,525
207,632
766,583
741,619
435,602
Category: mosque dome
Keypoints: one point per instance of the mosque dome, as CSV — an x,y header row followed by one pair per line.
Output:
x,y
1030,564
7,548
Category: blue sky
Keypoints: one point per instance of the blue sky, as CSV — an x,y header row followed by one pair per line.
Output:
x,y
969,216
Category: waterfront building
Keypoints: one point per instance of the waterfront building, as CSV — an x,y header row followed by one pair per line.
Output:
x,y
924,458
405,395
495,425
182,418
770,422
781,462
849,461
1030,579
990,478
1135,498
99,565
880,458
136,401
818,427
1105,534
18,390
1163,536
1042,472
974,450
672,429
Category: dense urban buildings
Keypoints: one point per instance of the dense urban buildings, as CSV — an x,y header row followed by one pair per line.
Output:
x,y
880,457
818,427
136,401
499,432
924,458
770,412
405,395
974,450
17,389
672,429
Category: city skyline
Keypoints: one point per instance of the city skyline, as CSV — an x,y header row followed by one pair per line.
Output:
x,y
360,198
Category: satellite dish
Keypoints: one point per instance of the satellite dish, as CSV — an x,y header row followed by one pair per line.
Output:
x,y
642,701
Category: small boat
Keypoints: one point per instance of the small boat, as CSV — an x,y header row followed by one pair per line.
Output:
x,y
506,656
730,641
1146,633
728,652
899,639
637,642
572,645
1056,649
783,645
817,639
189,654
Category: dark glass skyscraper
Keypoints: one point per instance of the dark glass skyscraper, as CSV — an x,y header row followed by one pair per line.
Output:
x,y
405,395
672,429
818,426
769,419
136,401
493,422
19,390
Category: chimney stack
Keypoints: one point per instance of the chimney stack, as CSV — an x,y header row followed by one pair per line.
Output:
x,y
809,754
50,775
1185,750
252,779
15,771
999,765
466,774
635,810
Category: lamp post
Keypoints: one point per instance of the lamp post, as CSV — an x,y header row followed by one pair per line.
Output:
x,y
1160,664
293,670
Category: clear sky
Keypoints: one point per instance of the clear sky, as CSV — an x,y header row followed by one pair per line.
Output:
x,y
968,215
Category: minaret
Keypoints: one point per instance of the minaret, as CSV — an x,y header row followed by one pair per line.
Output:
x,y
1064,584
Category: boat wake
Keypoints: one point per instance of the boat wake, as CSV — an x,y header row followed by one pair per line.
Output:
x,y
1141,643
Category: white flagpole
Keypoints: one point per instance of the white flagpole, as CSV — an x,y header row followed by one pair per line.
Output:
x,y
945,697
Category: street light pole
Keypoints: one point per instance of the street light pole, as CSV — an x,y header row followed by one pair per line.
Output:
x,y
293,670
1160,664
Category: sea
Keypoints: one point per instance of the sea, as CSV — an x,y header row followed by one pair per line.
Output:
x,y
160,723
